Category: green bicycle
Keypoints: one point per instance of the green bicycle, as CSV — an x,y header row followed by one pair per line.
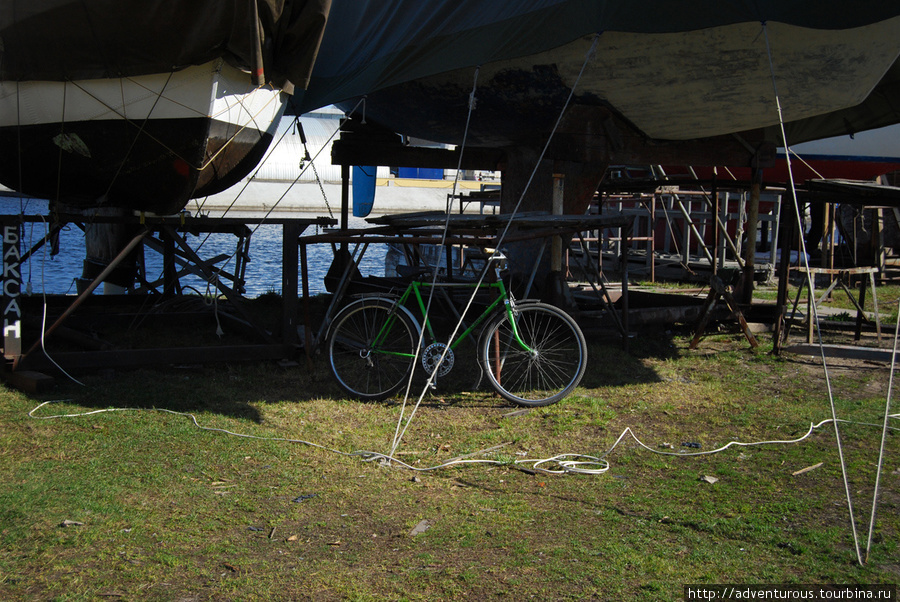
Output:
x,y
533,354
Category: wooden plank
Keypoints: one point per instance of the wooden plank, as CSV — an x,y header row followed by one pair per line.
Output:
x,y
842,352
29,381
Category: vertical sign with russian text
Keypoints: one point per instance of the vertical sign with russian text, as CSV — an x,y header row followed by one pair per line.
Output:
x,y
12,288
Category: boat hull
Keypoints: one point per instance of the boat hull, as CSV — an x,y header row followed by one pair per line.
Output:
x,y
146,143
675,86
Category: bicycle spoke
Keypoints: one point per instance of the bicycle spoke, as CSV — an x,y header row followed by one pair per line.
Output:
x,y
371,349
549,370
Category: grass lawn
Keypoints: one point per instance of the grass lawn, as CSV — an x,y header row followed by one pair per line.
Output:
x,y
165,510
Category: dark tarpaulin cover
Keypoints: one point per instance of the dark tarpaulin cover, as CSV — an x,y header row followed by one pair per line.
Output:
x,y
374,44
87,39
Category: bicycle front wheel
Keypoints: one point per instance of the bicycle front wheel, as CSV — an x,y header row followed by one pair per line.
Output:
x,y
372,348
551,366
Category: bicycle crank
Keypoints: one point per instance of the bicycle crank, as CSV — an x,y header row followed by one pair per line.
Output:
x,y
432,355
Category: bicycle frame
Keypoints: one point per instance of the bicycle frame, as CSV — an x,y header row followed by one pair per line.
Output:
x,y
415,288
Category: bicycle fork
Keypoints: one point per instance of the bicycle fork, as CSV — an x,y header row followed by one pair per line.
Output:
x,y
513,313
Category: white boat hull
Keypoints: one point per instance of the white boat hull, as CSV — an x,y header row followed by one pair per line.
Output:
x,y
146,143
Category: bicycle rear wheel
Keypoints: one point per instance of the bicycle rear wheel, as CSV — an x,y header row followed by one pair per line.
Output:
x,y
548,372
372,348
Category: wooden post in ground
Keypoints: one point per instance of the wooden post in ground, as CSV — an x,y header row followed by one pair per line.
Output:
x,y
289,281
787,230
715,220
556,279
745,291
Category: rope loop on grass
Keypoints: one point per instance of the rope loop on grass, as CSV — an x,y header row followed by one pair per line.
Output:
x,y
571,464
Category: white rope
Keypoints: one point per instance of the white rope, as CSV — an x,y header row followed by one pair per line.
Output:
x,y
580,464
187,414
815,313
44,313
214,300
802,160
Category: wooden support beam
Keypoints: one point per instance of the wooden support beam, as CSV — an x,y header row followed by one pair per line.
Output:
x,y
348,153
29,381
290,281
788,228
842,351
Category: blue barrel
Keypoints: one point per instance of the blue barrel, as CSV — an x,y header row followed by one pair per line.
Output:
x,y
363,190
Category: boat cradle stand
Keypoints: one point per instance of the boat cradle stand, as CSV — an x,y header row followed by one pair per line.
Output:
x,y
478,232
166,235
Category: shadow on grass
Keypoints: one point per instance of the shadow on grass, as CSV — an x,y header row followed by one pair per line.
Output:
x,y
198,389
230,389
609,365
236,390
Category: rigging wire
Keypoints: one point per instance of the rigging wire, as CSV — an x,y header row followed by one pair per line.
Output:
x,y
284,194
23,203
294,182
884,431
587,59
398,434
122,114
159,96
496,252
247,183
814,310
810,167
62,130
140,128
297,179
310,163
23,200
